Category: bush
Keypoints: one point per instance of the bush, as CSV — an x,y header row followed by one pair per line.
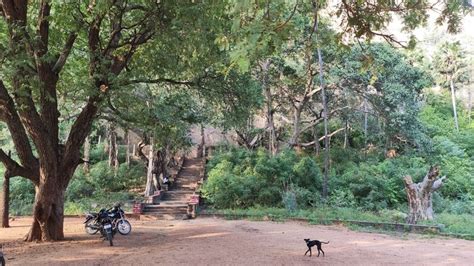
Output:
x,y
22,196
99,200
102,187
376,185
240,178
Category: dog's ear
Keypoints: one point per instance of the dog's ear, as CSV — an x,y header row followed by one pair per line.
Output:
x,y
306,239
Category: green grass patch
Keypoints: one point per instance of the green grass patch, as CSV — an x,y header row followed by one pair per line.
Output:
x,y
459,224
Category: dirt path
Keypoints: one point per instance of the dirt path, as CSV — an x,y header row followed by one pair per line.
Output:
x,y
207,241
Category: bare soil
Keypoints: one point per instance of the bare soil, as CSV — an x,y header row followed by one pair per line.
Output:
x,y
207,241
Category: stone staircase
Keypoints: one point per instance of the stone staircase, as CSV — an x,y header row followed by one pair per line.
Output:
x,y
173,203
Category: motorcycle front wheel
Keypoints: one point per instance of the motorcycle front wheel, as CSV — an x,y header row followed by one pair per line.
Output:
x,y
90,230
124,227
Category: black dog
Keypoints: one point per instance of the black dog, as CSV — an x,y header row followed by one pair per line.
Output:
x,y
311,243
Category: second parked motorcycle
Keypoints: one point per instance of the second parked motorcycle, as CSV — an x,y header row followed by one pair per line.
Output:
x,y
115,214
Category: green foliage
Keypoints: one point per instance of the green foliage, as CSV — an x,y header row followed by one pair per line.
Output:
x,y
99,200
259,28
452,150
392,87
242,178
103,179
22,196
375,185
449,64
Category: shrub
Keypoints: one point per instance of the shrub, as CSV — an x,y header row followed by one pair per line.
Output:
x,y
240,178
22,196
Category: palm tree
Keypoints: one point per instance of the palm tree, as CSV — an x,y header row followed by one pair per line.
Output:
x,y
450,70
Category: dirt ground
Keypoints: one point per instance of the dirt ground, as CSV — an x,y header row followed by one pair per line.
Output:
x,y
207,241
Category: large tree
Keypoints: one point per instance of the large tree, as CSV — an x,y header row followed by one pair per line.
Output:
x,y
55,52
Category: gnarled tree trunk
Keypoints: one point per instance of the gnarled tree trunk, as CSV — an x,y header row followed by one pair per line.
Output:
x,y
48,213
419,195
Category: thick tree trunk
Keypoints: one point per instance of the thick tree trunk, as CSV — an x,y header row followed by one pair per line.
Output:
x,y
48,212
419,195
150,187
296,125
87,155
5,202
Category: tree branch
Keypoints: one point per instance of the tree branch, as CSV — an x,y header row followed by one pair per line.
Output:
x,y
427,184
77,135
322,138
160,80
277,28
43,28
20,139
320,118
14,169
61,61
438,183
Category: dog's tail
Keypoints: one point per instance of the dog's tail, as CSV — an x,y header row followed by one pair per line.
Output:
x,y
325,242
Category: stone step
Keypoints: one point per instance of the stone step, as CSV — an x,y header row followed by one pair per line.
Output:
x,y
167,207
157,216
188,182
185,196
176,192
173,204
167,212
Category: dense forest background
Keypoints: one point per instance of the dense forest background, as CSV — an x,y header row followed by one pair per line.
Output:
x,y
317,116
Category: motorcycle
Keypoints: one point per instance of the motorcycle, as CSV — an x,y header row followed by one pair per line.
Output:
x,y
106,228
117,216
